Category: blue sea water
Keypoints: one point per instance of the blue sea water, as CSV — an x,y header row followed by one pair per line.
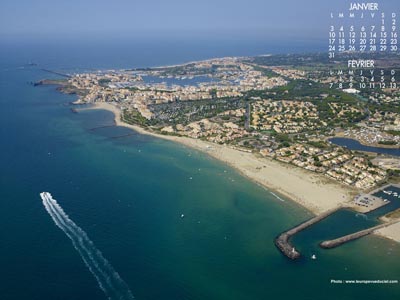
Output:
x,y
128,196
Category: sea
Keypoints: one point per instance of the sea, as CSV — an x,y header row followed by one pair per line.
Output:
x,y
138,217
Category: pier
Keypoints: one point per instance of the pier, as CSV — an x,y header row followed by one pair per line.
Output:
x,y
353,236
379,189
123,136
57,73
100,127
283,243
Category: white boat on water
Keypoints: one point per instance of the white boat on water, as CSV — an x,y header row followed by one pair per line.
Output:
x,y
313,256
45,195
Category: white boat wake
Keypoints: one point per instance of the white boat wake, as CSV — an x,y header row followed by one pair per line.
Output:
x,y
277,197
108,279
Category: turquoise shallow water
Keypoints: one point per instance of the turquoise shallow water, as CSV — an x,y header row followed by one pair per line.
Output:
x,y
128,195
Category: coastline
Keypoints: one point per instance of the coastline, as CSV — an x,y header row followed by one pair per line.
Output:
x,y
314,192
391,232
266,172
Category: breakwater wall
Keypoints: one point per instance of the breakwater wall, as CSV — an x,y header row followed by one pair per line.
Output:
x,y
353,236
57,73
282,242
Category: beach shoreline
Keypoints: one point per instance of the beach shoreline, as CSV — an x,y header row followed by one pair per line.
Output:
x,y
314,192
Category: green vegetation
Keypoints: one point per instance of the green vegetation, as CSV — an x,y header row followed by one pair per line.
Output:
x,y
388,143
298,60
213,93
265,71
394,173
321,96
133,116
318,144
282,139
184,112
383,107
393,132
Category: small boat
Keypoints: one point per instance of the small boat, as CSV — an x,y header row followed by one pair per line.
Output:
x,y
313,256
182,215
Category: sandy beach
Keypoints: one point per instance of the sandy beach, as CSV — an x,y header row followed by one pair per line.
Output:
x,y
391,232
315,192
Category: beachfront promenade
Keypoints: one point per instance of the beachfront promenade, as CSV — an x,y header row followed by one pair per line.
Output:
x,y
283,243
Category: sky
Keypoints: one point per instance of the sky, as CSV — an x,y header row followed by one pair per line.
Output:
x,y
169,18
